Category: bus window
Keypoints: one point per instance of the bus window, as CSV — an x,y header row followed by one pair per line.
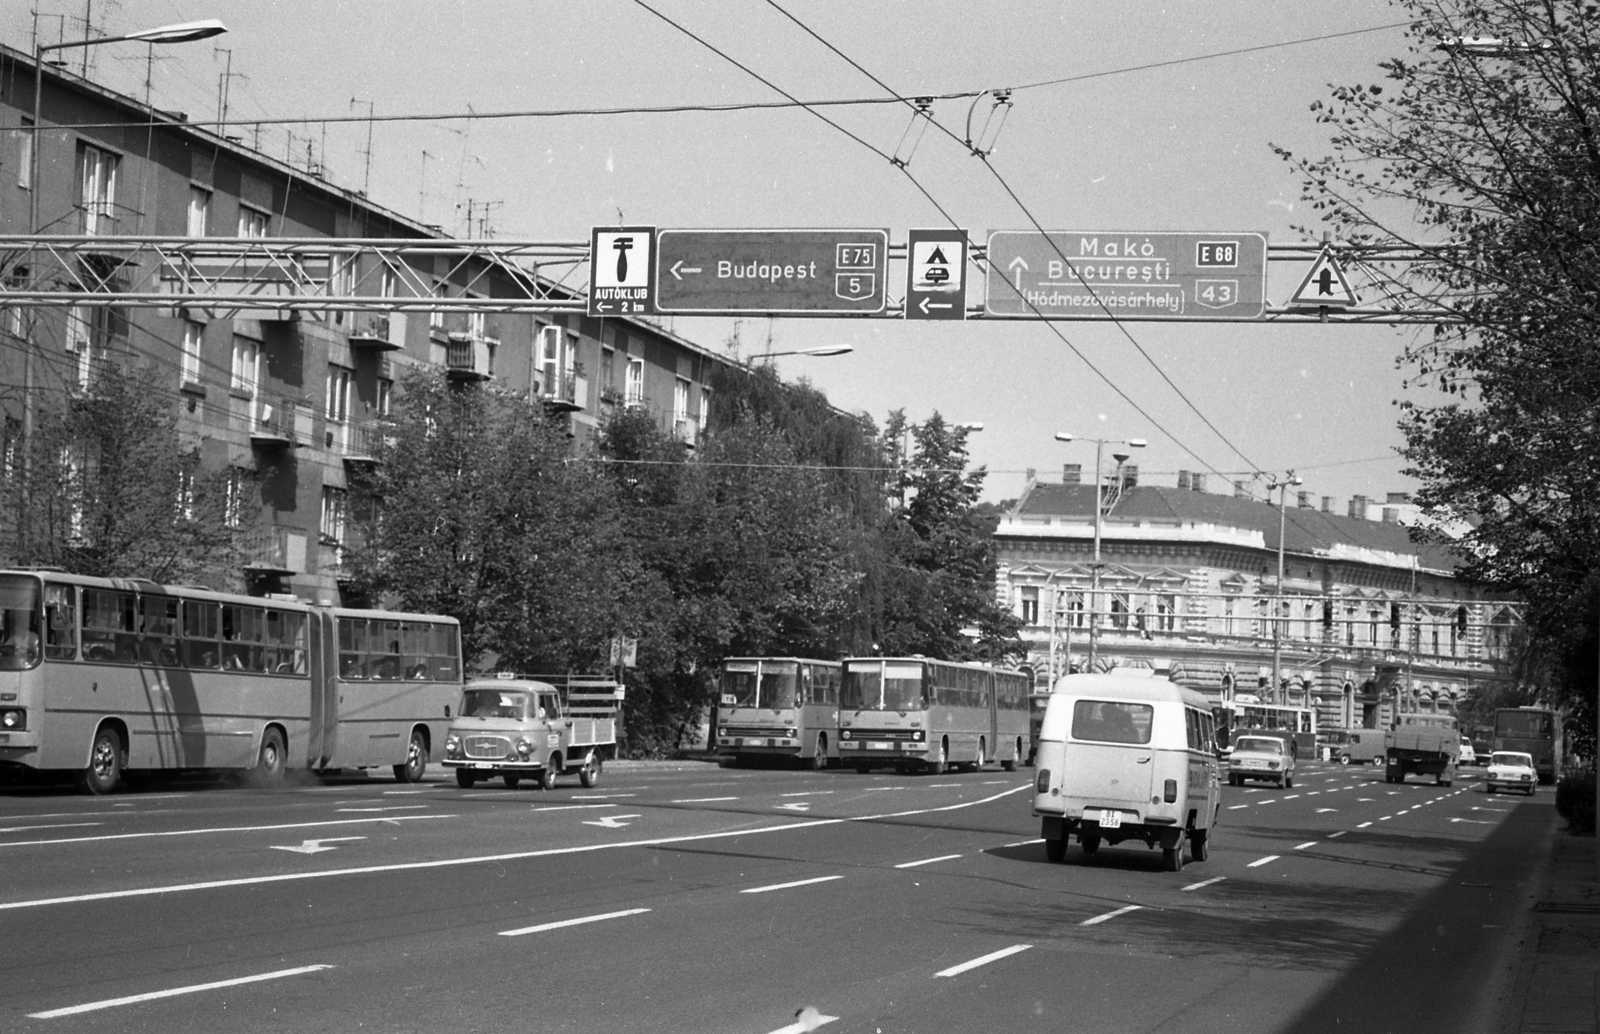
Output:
x,y
285,652
158,627
779,685
19,623
352,648
108,626
202,625
902,688
862,688
446,653
60,622
242,631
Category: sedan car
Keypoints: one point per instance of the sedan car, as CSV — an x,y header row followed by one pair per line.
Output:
x,y
1260,757
1511,770
1469,754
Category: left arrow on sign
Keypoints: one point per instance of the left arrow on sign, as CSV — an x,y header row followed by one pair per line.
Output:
x,y
610,821
313,846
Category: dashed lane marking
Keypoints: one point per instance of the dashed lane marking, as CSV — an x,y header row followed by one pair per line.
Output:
x,y
1364,825
1025,843
1308,843
926,861
1263,861
173,992
795,883
701,800
993,956
1124,910
224,829
1339,833
1205,883
560,924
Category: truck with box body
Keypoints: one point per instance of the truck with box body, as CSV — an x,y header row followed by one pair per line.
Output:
x,y
533,727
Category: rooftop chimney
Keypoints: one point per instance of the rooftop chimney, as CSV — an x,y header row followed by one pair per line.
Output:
x,y
1303,500
1239,491
1391,515
1327,504
1071,473
1130,475
1399,497
1358,506
1183,481
1197,481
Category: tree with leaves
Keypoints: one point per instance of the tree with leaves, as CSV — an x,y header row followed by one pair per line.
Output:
x,y
110,484
1482,146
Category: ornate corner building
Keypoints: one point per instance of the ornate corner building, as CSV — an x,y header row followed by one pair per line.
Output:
x,y
1365,623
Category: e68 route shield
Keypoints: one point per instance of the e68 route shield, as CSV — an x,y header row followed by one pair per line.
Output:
x,y
720,272
1079,274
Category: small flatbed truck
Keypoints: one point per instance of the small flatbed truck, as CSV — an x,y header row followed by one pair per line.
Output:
x,y
1423,749
533,727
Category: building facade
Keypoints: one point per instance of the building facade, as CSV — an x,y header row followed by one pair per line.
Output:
x,y
1365,623
298,395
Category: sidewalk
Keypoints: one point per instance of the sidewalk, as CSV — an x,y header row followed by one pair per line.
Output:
x,y
1557,988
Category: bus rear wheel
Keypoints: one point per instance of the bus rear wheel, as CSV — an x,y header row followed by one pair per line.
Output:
x,y
416,760
270,762
104,771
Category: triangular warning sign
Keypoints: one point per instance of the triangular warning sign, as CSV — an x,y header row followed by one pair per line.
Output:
x,y
1325,284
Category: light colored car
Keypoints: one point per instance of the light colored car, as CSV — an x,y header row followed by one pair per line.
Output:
x,y
1260,757
1511,770
1469,755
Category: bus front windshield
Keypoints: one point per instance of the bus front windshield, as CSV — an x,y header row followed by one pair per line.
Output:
x,y
779,685
1523,724
739,686
19,622
874,686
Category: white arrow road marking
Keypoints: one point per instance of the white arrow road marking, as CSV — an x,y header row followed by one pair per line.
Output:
x,y
1125,909
542,927
172,992
796,806
610,821
808,1019
984,960
314,846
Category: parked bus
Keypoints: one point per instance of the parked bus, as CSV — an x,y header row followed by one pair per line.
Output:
x,y
1529,730
101,676
1297,725
911,712
783,707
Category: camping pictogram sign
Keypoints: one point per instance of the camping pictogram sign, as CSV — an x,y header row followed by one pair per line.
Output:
x,y
936,283
1324,284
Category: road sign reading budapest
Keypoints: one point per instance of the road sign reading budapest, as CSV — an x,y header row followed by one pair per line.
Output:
x,y
1131,276
718,272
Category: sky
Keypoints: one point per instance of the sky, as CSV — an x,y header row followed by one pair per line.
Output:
x,y
1128,117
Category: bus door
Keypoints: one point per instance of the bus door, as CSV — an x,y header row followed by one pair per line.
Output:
x,y
324,668
992,681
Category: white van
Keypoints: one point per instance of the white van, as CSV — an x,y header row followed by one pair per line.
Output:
x,y
1127,757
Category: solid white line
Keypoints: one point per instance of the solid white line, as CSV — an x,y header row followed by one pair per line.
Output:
x,y
805,1023
388,807
494,859
51,825
1308,843
941,786
701,800
223,829
1111,915
805,793
927,861
1262,861
983,960
74,1010
575,807
542,927
1205,883
796,883
599,796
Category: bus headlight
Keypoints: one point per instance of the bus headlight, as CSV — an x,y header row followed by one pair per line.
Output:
x,y
845,735
791,733
921,735
10,720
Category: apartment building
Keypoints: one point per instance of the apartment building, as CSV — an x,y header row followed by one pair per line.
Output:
x,y
300,392
1366,622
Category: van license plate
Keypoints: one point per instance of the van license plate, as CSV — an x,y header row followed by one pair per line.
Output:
x,y
1110,820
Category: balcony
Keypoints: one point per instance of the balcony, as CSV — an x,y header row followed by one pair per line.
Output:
x,y
467,357
364,443
277,425
372,331
562,397
272,551
685,431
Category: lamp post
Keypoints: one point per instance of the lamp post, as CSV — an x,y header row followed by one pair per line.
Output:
x,y
1282,486
1094,569
182,32
817,350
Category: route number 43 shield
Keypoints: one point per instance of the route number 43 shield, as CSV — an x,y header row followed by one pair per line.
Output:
x,y
1216,294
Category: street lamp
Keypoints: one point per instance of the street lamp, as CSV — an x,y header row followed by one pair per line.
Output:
x,y
1282,486
1094,569
181,32
817,350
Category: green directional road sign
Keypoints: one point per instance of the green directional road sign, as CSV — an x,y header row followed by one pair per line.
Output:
x,y
728,272
1066,274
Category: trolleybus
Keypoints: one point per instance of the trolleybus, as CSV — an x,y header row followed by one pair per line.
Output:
x,y
100,676
1296,725
783,707
910,712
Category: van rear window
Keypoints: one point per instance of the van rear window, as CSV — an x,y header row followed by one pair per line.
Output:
x,y
1111,721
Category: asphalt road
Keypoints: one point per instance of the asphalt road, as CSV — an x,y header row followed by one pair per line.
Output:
x,y
692,898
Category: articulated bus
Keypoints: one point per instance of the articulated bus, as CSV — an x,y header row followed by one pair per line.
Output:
x,y
101,676
1530,730
911,712
785,707
1297,725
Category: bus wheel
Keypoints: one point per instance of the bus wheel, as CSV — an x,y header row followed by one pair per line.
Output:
x,y
863,769
1344,759
589,774
416,760
1011,766
938,764
1200,844
269,764
547,777
977,766
819,760
511,779
1055,850
105,764
465,779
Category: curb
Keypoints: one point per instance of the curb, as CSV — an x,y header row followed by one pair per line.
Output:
x,y
1557,984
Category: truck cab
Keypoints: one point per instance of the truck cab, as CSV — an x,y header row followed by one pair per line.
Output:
x,y
518,728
